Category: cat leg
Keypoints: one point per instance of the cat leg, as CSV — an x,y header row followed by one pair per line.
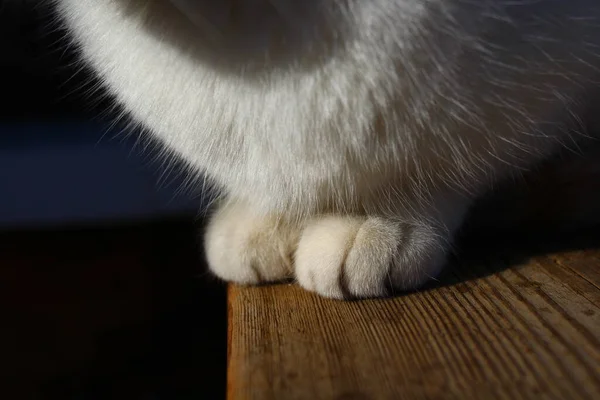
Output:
x,y
343,256
337,256
247,248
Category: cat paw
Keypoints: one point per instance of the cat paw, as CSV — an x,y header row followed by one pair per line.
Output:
x,y
345,257
246,248
338,256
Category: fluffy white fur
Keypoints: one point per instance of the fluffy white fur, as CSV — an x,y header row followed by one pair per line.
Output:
x,y
349,136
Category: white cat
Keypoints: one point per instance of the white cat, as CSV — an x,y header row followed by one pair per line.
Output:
x,y
350,136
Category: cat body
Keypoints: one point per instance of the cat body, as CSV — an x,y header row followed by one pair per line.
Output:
x,y
349,137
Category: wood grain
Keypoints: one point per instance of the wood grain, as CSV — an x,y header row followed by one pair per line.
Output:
x,y
529,331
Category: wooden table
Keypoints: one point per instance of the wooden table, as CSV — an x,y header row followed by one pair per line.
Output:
x,y
514,329
514,317
131,313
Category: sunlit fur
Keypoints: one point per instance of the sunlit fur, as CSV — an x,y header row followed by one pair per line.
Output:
x,y
349,136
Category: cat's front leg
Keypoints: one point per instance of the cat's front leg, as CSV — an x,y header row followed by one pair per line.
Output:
x,y
339,256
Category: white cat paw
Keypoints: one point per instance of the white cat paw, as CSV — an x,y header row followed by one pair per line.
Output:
x,y
247,248
346,257
340,256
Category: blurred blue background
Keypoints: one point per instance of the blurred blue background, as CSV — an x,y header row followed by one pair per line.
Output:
x,y
60,163
73,172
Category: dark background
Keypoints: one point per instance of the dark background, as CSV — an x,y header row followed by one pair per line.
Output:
x,y
62,158
38,74
103,288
